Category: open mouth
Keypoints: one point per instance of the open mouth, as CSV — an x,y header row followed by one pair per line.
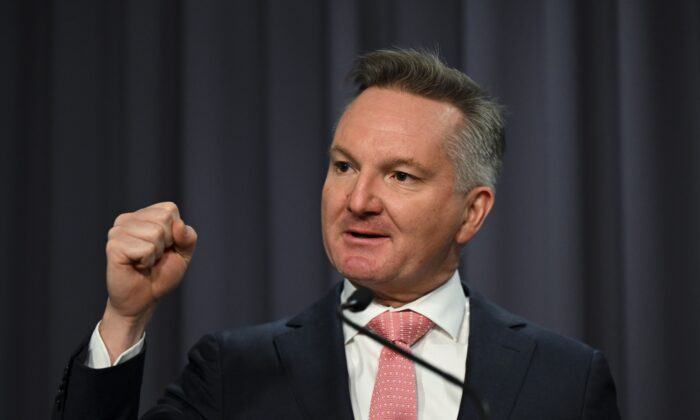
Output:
x,y
366,235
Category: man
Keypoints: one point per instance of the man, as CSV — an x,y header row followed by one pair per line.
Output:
x,y
411,179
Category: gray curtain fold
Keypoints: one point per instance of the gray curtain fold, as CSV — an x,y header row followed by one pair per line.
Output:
x,y
228,107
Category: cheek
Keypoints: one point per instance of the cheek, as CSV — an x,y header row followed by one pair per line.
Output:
x,y
417,213
332,203
327,219
427,221
336,191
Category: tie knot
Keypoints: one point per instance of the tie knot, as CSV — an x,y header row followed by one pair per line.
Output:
x,y
406,327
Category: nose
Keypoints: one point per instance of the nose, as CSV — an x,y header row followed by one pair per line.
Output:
x,y
363,200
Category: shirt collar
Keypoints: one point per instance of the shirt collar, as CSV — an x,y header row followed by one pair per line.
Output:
x,y
444,306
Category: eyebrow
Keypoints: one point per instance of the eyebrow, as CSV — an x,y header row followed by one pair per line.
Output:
x,y
338,149
394,162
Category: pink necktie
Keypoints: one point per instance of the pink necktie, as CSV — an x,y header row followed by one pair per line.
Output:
x,y
394,395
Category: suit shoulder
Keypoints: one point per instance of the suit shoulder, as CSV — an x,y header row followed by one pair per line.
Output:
x,y
546,339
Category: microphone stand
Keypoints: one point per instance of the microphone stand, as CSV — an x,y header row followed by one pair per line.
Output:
x,y
482,406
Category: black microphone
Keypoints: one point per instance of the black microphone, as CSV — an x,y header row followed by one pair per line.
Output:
x,y
359,301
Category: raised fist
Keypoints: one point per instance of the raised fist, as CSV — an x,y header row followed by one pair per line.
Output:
x,y
148,252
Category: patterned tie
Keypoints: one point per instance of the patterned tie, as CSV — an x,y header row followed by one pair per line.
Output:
x,y
394,395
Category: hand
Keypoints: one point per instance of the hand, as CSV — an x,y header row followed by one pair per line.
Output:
x,y
148,252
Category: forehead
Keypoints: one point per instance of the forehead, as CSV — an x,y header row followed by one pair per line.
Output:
x,y
382,118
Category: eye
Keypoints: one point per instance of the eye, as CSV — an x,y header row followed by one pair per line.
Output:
x,y
404,177
341,166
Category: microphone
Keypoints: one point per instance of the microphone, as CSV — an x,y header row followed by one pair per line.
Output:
x,y
359,301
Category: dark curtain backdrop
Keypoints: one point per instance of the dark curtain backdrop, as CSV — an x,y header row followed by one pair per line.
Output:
x,y
227,108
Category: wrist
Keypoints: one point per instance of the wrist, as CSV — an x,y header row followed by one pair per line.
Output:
x,y
119,332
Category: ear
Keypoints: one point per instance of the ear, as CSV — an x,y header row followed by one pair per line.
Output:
x,y
479,202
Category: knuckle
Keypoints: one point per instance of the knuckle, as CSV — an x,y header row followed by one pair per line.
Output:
x,y
122,218
156,214
169,206
157,233
172,209
111,247
151,248
165,217
114,231
153,215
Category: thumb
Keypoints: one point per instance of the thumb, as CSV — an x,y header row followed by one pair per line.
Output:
x,y
184,239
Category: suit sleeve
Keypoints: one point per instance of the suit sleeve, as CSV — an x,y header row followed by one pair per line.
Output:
x,y
113,393
600,400
198,392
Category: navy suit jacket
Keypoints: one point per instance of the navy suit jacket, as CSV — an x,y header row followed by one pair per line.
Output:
x,y
296,369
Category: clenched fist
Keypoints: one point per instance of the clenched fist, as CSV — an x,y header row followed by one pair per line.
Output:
x,y
148,252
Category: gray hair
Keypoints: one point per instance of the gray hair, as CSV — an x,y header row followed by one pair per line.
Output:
x,y
477,145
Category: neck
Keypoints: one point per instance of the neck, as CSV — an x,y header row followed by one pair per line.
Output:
x,y
399,296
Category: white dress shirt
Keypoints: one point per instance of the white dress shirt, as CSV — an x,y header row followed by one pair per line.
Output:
x,y
98,357
445,346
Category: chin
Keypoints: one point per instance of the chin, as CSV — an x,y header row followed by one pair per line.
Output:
x,y
360,276
361,270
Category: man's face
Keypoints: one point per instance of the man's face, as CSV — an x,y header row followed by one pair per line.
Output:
x,y
390,213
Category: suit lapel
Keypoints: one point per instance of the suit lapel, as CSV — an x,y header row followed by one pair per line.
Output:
x,y
497,359
312,354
